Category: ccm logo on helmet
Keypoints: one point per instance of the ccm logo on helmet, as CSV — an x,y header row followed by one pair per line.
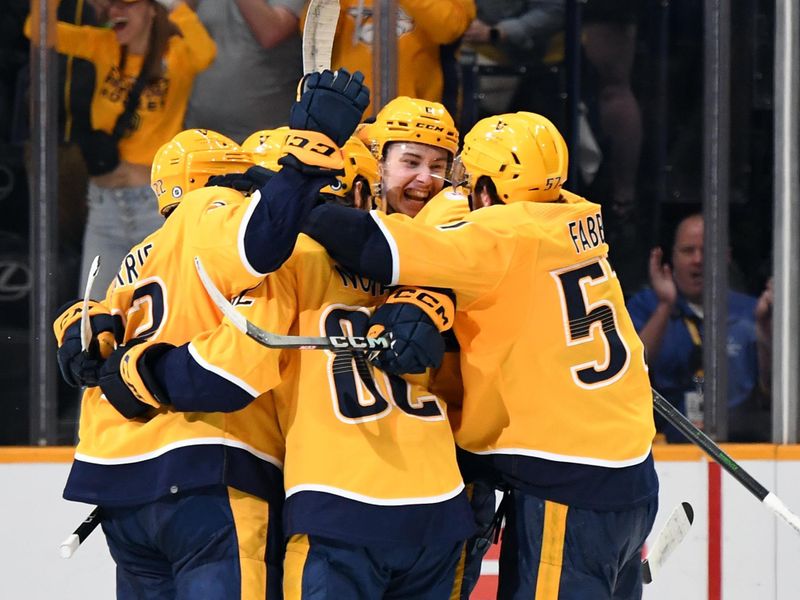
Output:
x,y
430,126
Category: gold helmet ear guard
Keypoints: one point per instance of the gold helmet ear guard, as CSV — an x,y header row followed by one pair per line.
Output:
x,y
188,160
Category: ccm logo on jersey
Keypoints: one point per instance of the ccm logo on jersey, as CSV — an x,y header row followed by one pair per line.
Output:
x,y
358,343
586,232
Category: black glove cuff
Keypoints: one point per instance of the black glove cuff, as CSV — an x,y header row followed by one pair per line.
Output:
x,y
146,368
121,397
124,398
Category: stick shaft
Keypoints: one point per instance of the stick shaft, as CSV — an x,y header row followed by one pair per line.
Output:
x,y
274,340
76,538
697,437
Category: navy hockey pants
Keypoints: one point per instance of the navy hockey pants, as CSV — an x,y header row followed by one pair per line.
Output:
x,y
324,569
551,551
214,543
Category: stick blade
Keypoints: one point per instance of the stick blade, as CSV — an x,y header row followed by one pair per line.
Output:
x,y
671,535
318,34
86,325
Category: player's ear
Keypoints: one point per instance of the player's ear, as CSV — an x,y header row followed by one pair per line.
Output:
x,y
361,197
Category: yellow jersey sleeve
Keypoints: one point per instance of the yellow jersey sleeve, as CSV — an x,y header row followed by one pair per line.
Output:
x,y
478,257
83,41
195,44
240,359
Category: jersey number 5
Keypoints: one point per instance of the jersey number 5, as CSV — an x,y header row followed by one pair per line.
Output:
x,y
584,321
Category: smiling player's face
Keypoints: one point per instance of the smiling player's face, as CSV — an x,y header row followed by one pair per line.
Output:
x,y
412,174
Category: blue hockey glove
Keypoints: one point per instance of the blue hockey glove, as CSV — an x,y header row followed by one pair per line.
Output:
x,y
413,319
415,342
127,379
79,368
330,103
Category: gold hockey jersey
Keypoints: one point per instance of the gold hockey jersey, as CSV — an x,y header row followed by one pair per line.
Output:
x,y
356,454
551,363
158,295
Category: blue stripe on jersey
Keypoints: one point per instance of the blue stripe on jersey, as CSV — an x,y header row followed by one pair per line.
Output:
x,y
581,486
331,516
286,200
191,388
186,468
353,239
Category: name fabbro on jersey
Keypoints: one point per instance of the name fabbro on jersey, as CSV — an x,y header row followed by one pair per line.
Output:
x,y
587,231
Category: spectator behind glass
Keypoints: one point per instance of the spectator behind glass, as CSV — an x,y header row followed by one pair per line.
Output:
x,y
669,319
516,33
609,29
423,27
258,55
168,50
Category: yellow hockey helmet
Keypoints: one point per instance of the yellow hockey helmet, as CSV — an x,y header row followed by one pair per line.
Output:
x,y
265,146
523,154
407,119
358,160
188,160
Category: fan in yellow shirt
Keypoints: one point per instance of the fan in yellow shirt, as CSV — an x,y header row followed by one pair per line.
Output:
x,y
156,48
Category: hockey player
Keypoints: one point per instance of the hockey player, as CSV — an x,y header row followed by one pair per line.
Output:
x,y
375,503
557,401
415,141
190,501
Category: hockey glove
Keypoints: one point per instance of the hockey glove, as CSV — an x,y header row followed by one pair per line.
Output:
x,y
413,321
312,153
331,103
127,378
79,368
253,179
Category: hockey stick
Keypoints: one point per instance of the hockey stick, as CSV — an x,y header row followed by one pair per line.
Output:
x,y
318,33
86,326
76,538
273,340
697,437
670,536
